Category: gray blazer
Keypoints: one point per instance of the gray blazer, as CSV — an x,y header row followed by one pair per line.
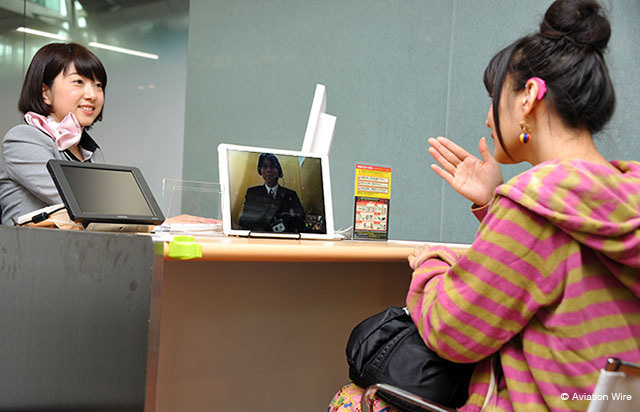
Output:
x,y
25,183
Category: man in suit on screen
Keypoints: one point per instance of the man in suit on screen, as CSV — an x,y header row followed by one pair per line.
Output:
x,y
271,207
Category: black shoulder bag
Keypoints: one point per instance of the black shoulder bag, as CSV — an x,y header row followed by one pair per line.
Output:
x,y
387,348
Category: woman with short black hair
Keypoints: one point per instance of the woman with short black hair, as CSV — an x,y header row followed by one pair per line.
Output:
x,y
62,96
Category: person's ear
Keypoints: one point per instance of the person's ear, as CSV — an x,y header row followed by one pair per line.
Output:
x,y
530,97
46,94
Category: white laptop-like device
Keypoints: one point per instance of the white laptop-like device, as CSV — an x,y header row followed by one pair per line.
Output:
x,y
275,193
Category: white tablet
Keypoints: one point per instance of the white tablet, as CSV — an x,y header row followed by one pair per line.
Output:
x,y
275,193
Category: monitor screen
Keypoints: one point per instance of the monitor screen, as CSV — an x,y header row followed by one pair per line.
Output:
x,y
94,189
104,193
275,192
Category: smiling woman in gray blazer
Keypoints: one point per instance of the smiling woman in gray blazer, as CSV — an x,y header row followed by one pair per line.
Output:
x,y
62,96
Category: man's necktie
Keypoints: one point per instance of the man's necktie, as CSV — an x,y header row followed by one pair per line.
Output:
x,y
272,193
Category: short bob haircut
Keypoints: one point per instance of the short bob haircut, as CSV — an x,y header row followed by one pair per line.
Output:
x,y
274,162
47,63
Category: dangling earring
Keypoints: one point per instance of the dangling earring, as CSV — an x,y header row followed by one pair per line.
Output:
x,y
525,136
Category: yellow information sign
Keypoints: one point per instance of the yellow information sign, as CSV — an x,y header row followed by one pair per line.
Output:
x,y
373,181
372,197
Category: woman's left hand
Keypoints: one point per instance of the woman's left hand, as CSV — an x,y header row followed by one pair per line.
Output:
x,y
419,255
473,178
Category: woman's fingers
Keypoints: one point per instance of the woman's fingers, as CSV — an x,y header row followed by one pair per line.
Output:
x,y
484,149
444,151
453,148
444,163
412,258
443,174
416,258
445,158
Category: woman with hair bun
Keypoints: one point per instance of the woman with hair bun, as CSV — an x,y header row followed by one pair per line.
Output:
x,y
549,289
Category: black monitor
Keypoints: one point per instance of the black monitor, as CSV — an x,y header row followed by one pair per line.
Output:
x,y
103,193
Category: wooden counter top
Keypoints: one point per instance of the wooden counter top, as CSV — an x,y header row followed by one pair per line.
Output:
x,y
288,250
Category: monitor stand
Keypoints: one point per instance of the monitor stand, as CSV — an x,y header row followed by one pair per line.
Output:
x,y
275,235
320,126
118,227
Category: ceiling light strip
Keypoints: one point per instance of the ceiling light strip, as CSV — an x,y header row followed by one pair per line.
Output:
x,y
126,51
92,44
42,33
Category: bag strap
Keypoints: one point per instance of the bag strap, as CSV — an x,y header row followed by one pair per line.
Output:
x,y
492,384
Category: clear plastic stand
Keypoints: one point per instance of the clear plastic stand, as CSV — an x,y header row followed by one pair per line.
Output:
x,y
188,197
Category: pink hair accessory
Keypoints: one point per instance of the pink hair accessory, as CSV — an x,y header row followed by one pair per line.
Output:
x,y
542,87
65,134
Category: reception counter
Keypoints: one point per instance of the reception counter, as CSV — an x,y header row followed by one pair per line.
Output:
x,y
262,324
108,322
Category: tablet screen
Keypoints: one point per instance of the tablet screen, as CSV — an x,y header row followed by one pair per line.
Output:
x,y
102,193
94,189
272,191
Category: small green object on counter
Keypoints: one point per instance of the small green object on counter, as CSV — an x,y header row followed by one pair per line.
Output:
x,y
183,247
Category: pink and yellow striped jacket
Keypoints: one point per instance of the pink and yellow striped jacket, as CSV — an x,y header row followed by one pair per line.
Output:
x,y
551,286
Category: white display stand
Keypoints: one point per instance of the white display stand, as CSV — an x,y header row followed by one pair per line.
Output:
x,y
320,127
